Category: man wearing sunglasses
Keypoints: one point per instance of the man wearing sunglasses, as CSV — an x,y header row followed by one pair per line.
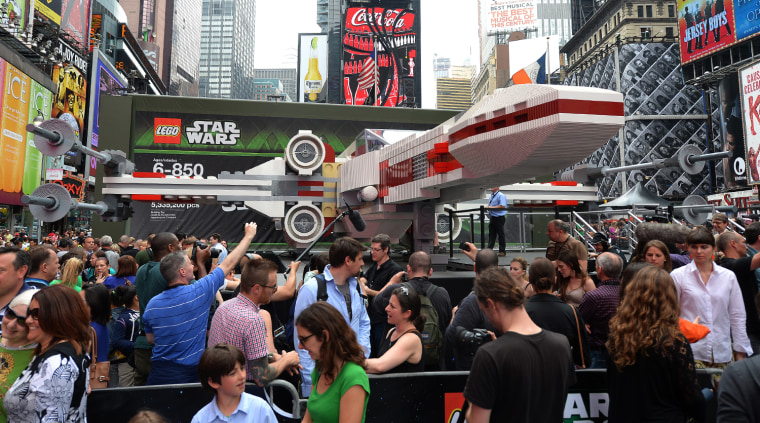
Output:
x,y
14,263
238,322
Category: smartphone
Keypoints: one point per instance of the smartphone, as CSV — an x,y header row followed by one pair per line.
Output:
x,y
464,247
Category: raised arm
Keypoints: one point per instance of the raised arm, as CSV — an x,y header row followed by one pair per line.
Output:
x,y
234,257
287,291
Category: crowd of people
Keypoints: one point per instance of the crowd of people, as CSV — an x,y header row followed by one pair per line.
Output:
x,y
88,313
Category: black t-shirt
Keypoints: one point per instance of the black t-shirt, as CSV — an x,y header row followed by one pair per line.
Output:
x,y
376,280
659,386
742,268
522,378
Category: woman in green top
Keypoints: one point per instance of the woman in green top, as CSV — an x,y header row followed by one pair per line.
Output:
x,y
71,274
16,351
341,390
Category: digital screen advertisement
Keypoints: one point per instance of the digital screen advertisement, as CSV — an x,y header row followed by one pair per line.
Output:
x,y
381,57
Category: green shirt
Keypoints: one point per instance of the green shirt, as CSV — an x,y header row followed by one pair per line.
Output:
x,y
78,286
12,362
149,283
325,407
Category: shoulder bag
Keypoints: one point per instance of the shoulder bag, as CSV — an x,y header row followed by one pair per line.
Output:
x,y
98,371
580,342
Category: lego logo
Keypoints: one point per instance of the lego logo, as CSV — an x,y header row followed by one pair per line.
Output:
x,y
165,130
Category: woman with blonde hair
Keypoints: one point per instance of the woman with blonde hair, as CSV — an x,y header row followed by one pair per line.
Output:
x,y
651,371
340,389
71,275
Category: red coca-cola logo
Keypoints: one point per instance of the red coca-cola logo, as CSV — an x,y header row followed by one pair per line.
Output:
x,y
391,19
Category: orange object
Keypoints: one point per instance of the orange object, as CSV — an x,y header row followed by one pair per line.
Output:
x,y
693,331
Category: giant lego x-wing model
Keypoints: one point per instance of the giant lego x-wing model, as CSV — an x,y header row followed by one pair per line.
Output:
x,y
512,135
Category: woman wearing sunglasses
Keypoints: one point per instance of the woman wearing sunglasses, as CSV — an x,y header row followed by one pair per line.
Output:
x,y
340,388
401,349
54,385
16,350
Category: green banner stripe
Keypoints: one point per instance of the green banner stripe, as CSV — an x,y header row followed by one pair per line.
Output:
x,y
207,153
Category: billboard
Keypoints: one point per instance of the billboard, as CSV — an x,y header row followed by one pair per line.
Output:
x,y
749,80
70,103
312,68
23,99
735,168
49,11
705,26
106,81
380,54
207,144
511,15
16,18
75,20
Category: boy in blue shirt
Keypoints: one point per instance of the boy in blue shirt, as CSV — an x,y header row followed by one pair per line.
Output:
x,y
222,370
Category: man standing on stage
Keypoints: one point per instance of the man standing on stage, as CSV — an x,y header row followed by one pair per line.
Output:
x,y
497,211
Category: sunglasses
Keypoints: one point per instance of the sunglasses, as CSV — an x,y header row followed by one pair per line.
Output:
x,y
10,314
34,313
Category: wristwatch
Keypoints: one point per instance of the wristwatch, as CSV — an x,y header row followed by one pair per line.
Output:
x,y
270,357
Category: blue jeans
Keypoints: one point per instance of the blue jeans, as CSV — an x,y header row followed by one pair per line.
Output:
x,y
598,359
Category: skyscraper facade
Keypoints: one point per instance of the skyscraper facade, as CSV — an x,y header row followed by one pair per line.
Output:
x,y
227,44
288,77
185,18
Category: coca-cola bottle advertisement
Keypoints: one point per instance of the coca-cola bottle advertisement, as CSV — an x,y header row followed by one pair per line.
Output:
x,y
380,56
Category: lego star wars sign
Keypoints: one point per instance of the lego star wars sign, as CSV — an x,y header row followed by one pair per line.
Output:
x,y
511,15
169,131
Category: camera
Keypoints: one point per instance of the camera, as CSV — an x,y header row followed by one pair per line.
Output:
x,y
472,338
405,277
463,246
198,245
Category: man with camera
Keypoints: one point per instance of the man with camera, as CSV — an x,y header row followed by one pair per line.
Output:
x,y
469,329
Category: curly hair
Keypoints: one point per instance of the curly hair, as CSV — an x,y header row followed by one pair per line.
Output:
x,y
339,341
647,317
569,258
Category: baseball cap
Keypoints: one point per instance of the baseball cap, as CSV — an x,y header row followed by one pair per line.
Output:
x,y
599,238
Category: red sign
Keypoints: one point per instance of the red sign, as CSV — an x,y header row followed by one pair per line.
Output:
x,y
359,19
167,131
73,184
705,27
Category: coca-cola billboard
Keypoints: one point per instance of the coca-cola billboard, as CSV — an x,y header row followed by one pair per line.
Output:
x,y
381,57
